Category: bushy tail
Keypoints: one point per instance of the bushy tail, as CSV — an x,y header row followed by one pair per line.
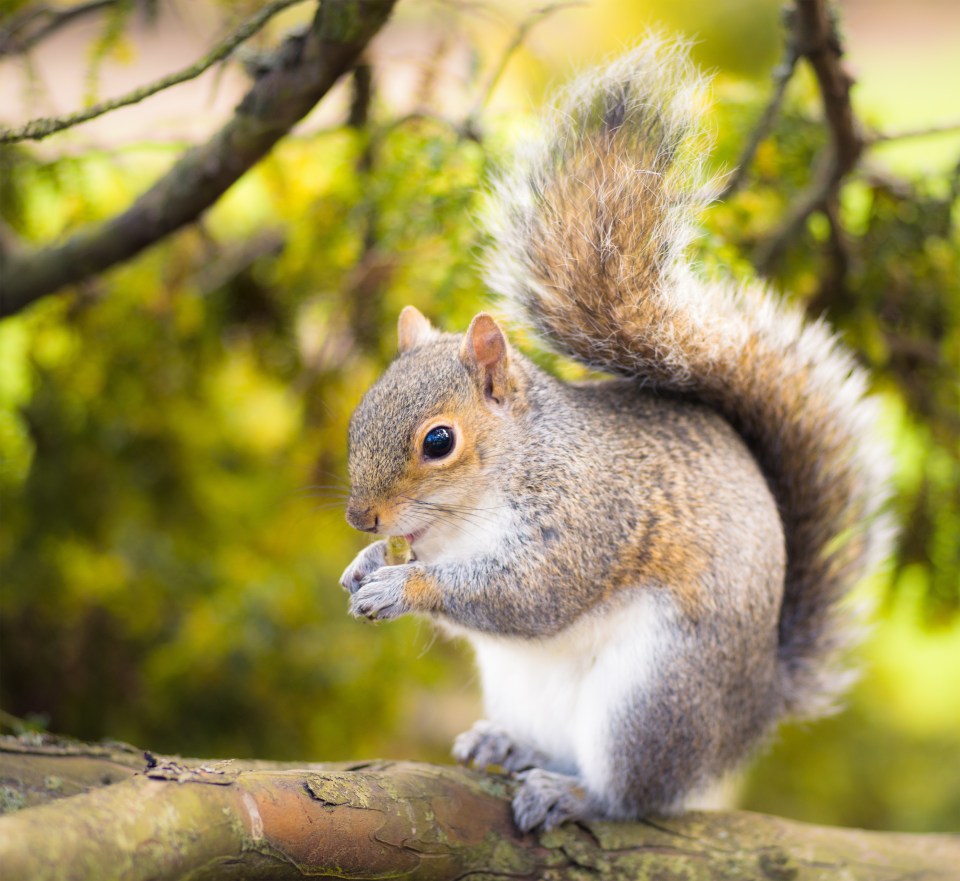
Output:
x,y
590,227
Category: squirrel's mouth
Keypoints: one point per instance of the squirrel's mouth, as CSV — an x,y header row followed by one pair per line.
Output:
x,y
411,537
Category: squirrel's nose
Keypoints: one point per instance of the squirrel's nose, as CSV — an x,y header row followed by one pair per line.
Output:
x,y
364,519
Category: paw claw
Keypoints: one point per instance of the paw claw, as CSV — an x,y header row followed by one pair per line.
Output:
x,y
365,563
545,799
380,595
486,744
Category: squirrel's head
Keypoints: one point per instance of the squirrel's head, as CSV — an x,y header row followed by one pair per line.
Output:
x,y
425,436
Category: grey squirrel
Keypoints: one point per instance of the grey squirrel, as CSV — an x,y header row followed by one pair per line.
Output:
x,y
649,567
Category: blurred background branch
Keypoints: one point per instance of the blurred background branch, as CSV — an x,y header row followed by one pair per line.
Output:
x,y
518,39
38,129
37,22
813,37
924,132
306,68
782,74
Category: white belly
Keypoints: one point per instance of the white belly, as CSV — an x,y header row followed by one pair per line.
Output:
x,y
557,694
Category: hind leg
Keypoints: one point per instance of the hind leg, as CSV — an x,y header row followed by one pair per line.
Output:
x,y
646,729
545,799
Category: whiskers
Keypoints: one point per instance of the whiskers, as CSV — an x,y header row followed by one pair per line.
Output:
x,y
467,520
464,521
329,495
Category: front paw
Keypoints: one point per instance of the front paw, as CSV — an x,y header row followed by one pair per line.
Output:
x,y
380,595
487,745
365,563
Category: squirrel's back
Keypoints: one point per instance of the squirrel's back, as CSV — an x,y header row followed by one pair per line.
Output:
x,y
590,228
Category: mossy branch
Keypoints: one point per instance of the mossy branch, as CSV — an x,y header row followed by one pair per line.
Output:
x,y
179,819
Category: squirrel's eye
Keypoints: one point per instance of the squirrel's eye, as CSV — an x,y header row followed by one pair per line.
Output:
x,y
438,442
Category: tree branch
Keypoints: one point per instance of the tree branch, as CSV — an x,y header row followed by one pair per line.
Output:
x,y
519,36
179,819
819,44
782,74
37,129
306,68
947,128
816,40
51,19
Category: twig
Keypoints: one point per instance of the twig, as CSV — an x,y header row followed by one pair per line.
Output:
x,y
424,91
820,45
814,198
373,268
782,75
833,283
38,129
948,128
520,35
12,43
460,130
275,103
361,95
816,40
238,260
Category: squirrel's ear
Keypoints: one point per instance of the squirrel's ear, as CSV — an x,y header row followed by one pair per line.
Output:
x,y
413,329
485,352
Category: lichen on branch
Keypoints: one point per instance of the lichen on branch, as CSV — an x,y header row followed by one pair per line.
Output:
x,y
179,819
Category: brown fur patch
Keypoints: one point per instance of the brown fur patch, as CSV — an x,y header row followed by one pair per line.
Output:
x,y
663,553
422,592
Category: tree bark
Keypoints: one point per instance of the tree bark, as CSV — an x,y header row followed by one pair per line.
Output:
x,y
303,72
185,820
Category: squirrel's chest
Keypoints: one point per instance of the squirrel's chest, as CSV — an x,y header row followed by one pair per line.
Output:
x,y
556,694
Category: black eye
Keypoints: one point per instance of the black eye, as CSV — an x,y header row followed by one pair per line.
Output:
x,y
438,442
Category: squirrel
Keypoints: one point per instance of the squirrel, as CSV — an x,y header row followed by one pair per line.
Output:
x,y
650,567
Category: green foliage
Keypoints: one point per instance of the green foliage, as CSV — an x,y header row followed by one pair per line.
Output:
x,y
11,7
893,293
161,438
889,761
